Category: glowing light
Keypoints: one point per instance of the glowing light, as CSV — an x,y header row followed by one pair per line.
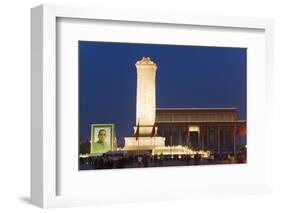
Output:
x,y
194,129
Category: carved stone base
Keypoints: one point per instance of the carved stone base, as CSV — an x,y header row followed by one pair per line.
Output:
x,y
144,143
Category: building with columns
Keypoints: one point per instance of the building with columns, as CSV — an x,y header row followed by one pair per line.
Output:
x,y
217,130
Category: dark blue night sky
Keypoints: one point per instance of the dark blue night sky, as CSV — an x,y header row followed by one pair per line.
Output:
x,y
187,76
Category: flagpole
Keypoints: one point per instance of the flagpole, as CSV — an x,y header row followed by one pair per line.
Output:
x,y
234,139
153,134
234,145
172,140
202,138
137,137
219,148
185,133
171,143
170,134
138,147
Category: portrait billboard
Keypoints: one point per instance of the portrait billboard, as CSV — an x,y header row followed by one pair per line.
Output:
x,y
101,138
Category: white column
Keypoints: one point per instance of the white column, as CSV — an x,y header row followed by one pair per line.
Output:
x,y
145,108
146,94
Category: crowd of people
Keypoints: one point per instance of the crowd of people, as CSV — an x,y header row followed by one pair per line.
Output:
x,y
149,160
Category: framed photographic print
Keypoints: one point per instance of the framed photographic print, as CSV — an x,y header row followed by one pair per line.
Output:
x,y
175,105
203,121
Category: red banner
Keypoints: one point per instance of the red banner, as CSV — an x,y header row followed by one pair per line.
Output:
x,y
243,131
137,131
153,133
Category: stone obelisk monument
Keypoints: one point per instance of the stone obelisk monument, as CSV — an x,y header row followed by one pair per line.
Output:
x,y
145,109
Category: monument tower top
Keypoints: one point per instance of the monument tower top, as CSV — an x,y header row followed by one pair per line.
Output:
x,y
145,61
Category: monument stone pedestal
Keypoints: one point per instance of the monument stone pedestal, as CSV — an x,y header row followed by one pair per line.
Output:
x,y
144,143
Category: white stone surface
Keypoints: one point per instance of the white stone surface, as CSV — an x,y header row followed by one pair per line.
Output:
x,y
144,143
146,100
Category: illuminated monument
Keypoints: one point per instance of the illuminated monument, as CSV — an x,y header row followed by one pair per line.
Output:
x,y
145,128
181,130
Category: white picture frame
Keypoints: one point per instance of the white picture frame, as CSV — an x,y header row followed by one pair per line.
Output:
x,y
44,147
